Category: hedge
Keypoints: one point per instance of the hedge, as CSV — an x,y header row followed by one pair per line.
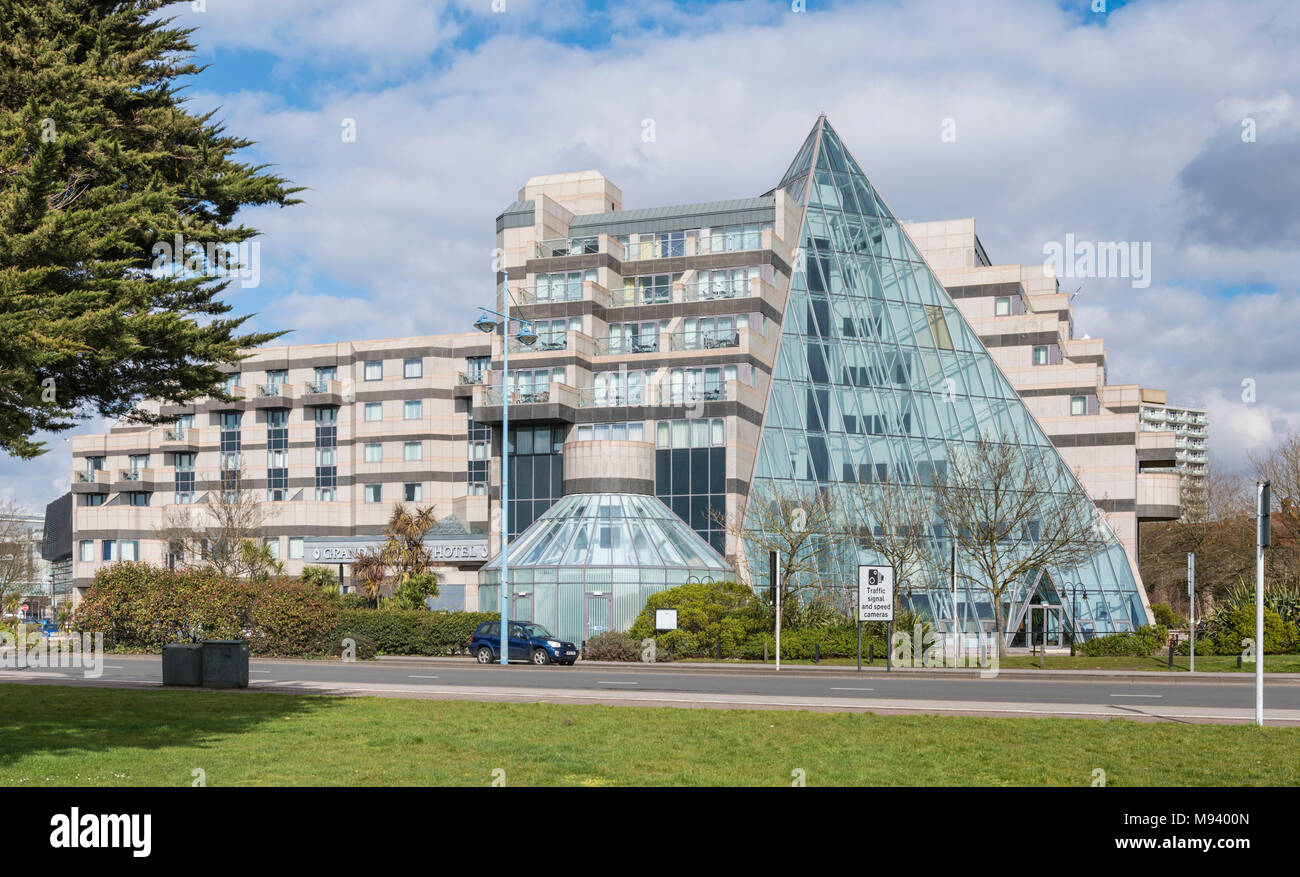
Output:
x,y
412,631
1142,643
139,606
707,614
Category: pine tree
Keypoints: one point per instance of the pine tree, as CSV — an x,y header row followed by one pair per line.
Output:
x,y
100,160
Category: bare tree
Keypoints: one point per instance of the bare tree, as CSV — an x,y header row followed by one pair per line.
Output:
x,y
18,567
1281,466
998,502
222,533
805,526
893,519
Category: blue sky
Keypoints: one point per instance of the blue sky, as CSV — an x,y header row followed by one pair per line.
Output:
x,y
1122,126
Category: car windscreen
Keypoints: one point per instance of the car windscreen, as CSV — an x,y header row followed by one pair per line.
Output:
x,y
535,630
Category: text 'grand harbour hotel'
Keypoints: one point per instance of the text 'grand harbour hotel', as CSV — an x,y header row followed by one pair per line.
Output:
x,y
687,358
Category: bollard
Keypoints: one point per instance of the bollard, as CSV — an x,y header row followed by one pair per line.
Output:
x,y
1171,653
765,654
817,653
1238,662
871,652
719,650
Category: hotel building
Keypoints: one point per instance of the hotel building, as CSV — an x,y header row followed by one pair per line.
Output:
x,y
688,358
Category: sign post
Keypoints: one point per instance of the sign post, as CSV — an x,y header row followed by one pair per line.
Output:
x,y
1261,542
876,603
1191,599
774,577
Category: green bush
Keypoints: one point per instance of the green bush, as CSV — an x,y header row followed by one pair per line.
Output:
x,y
611,646
364,648
1166,616
840,641
707,613
1228,625
1142,643
413,632
412,593
138,606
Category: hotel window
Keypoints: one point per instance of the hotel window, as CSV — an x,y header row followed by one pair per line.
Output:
x,y
412,451
1078,405
691,473
374,370
232,381
374,411
275,380
138,498
1003,307
475,367
479,452
413,492
138,462
649,289
273,547
93,499
412,410
562,287
277,455
413,368
374,493
536,464
326,453
231,440
87,547
633,431
374,452
183,466
323,375
295,548
1041,355
108,550
130,549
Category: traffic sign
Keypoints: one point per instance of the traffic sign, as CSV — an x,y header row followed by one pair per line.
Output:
x,y
875,593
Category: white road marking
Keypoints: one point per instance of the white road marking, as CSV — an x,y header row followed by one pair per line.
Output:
x,y
421,677
851,689
617,683
1137,695
260,671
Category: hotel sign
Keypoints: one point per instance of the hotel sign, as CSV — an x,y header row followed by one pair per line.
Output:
x,y
464,550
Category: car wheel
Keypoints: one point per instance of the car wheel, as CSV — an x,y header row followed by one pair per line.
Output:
x,y
540,657
484,655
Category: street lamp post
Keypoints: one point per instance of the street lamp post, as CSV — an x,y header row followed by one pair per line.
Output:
x,y
526,335
1073,592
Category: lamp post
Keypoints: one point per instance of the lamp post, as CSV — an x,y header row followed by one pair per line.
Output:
x,y
526,335
1072,589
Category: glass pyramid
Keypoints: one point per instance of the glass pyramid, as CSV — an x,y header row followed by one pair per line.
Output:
x,y
594,534
877,373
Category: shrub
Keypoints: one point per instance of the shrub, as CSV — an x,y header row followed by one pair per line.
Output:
x,y
707,613
412,593
1166,616
413,632
611,646
364,647
140,606
1142,643
321,577
840,641
1228,625
292,618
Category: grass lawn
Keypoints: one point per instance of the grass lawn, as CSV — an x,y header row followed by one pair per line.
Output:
x,y
1204,663
62,735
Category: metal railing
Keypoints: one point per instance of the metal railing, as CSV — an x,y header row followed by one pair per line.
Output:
x,y
553,341
568,247
322,386
701,340
662,393
614,344
279,388
467,378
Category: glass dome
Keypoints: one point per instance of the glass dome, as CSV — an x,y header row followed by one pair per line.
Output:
x,y
598,532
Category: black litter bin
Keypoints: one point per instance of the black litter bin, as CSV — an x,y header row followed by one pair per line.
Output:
x,y
225,663
182,664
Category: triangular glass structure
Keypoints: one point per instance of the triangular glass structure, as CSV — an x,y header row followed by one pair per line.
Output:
x,y
878,372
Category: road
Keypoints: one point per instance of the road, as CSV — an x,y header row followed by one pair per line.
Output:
x,y
1180,698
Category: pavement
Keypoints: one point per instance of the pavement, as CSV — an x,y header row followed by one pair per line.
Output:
x,y
1145,696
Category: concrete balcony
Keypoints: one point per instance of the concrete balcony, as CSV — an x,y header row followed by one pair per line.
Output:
x,y
556,402
133,480
1158,496
176,438
321,393
277,395
1156,448
90,482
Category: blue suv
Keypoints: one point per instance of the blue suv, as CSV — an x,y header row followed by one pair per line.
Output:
x,y
528,642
